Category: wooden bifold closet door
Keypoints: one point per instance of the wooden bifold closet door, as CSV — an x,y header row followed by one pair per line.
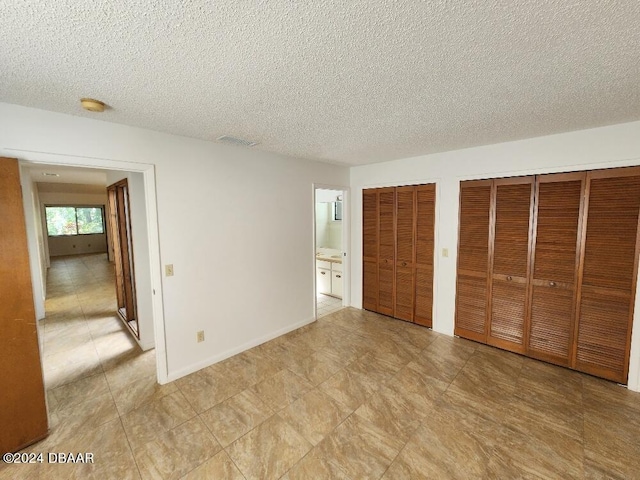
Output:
x,y
398,247
555,259
405,253
547,267
512,220
609,273
473,260
425,248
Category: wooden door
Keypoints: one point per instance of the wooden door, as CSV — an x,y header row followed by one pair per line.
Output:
x,y
473,281
405,253
512,222
122,245
386,250
424,248
370,249
608,273
555,262
23,413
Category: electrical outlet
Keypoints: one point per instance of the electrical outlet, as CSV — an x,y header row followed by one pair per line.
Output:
x,y
201,336
168,270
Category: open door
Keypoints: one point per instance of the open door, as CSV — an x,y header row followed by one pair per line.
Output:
x,y
122,247
23,411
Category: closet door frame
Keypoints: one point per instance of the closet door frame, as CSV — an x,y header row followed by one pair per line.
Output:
x,y
593,175
557,178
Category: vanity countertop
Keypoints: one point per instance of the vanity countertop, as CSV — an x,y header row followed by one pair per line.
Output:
x,y
329,258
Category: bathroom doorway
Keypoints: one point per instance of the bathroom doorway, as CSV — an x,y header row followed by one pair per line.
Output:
x,y
330,249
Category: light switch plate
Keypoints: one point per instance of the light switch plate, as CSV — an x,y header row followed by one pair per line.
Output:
x,y
200,336
168,270
445,252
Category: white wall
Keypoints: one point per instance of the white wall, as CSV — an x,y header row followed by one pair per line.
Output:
x,y
612,146
242,276
34,240
141,267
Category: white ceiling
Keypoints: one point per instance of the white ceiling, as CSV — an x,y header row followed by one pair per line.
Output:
x,y
67,175
355,81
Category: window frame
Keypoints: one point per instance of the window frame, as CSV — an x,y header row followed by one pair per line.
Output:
x,y
75,209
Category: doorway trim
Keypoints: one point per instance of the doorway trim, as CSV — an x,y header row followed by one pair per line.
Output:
x,y
28,157
346,243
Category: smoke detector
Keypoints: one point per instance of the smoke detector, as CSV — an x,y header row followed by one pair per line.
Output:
x,y
92,104
238,142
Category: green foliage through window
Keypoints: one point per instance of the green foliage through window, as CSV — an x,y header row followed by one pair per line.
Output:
x,y
74,220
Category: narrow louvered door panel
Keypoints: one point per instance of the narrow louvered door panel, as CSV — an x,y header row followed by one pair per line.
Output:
x,y
510,271
603,335
473,260
608,273
425,225
405,253
552,311
555,263
370,249
508,313
471,307
370,286
386,250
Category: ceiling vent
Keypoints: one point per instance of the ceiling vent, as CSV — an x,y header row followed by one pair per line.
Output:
x,y
238,142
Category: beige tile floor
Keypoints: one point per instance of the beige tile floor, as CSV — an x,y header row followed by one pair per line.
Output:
x,y
327,304
352,396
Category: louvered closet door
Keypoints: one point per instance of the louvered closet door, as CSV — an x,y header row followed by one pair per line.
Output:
x,y
555,261
405,253
425,225
473,260
609,273
386,250
510,271
370,249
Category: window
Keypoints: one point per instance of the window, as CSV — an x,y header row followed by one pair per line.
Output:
x,y
74,220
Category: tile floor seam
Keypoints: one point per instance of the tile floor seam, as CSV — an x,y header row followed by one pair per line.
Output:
x,y
126,435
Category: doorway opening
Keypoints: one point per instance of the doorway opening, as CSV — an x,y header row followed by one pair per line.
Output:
x,y
330,249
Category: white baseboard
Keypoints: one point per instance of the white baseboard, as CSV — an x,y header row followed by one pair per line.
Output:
x,y
234,351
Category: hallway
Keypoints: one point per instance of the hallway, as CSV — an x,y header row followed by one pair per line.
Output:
x,y
94,371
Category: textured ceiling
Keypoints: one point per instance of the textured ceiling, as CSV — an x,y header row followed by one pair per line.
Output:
x,y
354,82
67,175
